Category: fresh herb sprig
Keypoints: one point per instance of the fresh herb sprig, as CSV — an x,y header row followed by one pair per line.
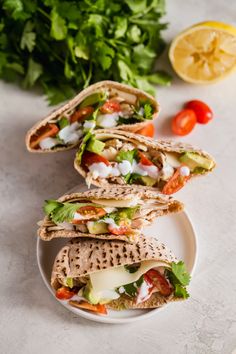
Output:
x,y
66,45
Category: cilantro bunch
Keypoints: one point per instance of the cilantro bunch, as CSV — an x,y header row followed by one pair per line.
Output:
x,y
66,45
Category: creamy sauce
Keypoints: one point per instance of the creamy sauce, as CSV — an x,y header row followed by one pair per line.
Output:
x,y
65,225
108,120
89,124
48,143
143,292
184,171
100,169
125,167
71,133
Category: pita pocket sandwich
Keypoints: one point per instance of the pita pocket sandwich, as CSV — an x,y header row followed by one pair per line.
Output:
x,y
105,213
98,275
124,158
106,104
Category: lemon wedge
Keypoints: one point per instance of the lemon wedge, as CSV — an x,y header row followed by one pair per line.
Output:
x,y
205,52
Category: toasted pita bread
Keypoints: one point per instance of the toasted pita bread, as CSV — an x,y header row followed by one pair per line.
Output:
x,y
144,143
80,258
110,86
152,205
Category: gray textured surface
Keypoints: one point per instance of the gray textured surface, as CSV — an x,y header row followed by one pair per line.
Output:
x,y
31,320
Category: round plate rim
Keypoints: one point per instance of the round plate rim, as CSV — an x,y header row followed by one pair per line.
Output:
x,y
103,319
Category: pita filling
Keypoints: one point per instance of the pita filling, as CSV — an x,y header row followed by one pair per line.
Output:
x,y
136,282
103,109
126,161
115,217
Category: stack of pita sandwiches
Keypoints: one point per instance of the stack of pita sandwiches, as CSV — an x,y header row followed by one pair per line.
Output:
x,y
108,262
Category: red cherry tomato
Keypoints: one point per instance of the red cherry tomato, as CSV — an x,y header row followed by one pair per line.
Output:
x,y
176,182
110,107
64,293
159,282
184,122
81,114
90,212
144,160
89,158
203,112
148,130
122,230
101,309
48,130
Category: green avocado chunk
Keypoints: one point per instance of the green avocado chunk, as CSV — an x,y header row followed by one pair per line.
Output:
x,y
148,181
95,146
97,228
193,161
89,294
92,99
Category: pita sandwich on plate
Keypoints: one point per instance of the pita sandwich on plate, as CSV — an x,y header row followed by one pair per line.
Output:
x,y
105,213
97,275
124,158
106,104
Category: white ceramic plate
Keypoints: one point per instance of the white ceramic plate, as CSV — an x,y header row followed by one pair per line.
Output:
x,y
176,231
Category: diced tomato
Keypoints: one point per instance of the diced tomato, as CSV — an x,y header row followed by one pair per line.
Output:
x,y
81,114
49,130
144,160
101,309
122,230
89,158
90,212
110,107
148,130
176,182
203,112
64,293
159,282
184,122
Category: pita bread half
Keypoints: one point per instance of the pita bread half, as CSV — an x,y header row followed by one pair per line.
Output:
x,y
152,205
80,258
142,141
111,86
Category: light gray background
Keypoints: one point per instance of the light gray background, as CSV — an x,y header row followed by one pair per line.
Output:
x,y
31,321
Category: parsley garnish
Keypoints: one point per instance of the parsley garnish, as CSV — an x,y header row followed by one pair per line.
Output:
x,y
179,278
66,45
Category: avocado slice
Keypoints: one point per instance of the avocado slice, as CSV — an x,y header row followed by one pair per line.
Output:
x,y
92,99
95,146
193,161
148,181
97,228
89,294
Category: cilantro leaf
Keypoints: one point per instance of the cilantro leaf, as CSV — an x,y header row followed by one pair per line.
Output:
x,y
58,26
132,288
28,37
180,291
34,71
148,110
179,278
127,155
180,272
